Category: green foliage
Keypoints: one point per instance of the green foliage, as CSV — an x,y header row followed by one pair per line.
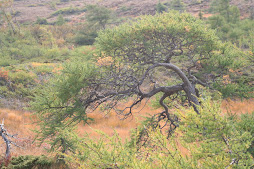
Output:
x,y
168,24
59,103
34,44
28,162
20,81
217,141
246,123
230,13
41,21
238,73
22,76
228,25
60,20
161,8
19,84
43,70
68,11
125,8
98,16
220,59
177,5
216,21
16,49
209,140
85,38
240,89
52,5
6,16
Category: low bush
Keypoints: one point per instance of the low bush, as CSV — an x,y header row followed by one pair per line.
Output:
x,y
85,38
29,162
68,11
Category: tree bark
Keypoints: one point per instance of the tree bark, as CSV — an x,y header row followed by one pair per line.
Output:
x,y
188,87
6,140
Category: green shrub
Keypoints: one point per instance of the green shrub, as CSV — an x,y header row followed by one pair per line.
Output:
x,y
3,91
28,162
60,20
41,21
44,69
98,16
22,77
32,5
125,8
68,11
177,5
5,61
85,38
161,8
246,123
239,88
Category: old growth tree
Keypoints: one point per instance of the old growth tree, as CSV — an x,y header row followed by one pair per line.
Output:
x,y
132,61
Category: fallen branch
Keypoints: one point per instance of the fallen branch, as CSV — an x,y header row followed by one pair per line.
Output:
x,y
7,141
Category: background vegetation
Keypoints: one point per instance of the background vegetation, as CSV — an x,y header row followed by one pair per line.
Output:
x,y
47,65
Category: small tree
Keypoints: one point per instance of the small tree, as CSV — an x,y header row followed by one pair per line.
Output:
x,y
59,107
229,12
177,5
98,15
97,18
7,17
134,59
160,7
60,20
41,21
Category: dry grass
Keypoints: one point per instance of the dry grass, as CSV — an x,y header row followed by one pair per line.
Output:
x,y
20,122
238,106
111,121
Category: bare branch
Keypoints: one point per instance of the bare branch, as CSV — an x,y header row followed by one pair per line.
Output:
x,y
8,142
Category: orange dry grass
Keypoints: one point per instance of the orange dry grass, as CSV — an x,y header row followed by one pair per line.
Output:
x,y
238,106
207,15
36,64
111,121
56,67
19,122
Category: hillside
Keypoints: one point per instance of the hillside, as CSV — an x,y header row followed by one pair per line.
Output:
x,y
27,11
